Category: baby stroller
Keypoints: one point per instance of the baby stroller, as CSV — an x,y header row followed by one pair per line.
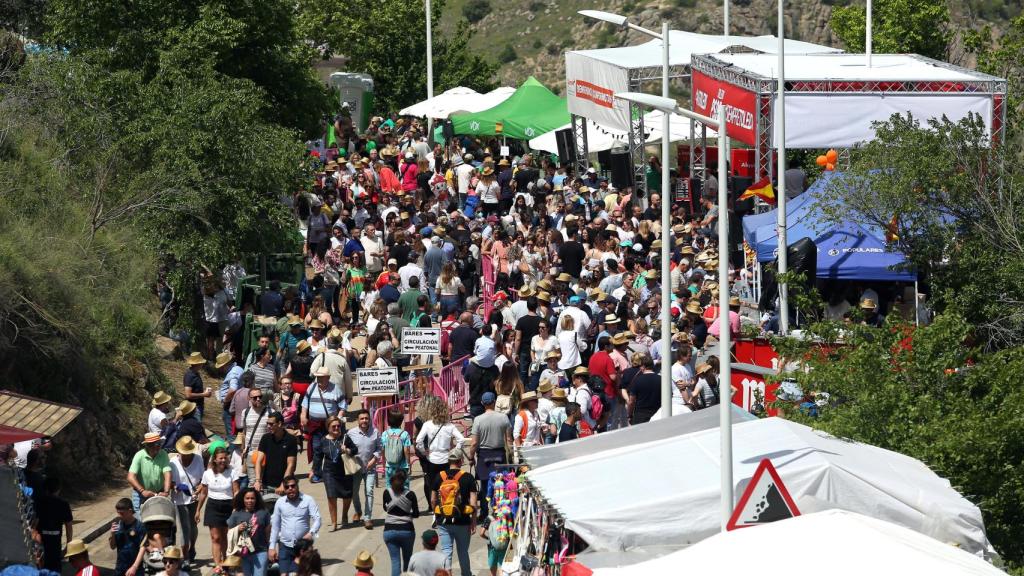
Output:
x,y
160,518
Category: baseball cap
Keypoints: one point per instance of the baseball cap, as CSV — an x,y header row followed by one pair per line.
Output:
x,y
488,398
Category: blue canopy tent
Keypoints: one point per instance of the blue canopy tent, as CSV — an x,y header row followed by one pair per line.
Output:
x,y
848,251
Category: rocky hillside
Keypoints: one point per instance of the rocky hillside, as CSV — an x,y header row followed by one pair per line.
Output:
x,y
531,36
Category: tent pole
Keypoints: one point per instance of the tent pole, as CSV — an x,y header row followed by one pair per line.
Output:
x,y
867,34
666,247
917,303
780,174
725,327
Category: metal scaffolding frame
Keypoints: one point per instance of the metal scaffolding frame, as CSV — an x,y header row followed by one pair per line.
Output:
x,y
579,140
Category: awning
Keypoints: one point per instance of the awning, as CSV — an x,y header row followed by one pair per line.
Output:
x,y
601,138
24,417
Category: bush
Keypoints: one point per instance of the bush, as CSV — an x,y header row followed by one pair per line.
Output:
x,y
476,10
507,54
537,6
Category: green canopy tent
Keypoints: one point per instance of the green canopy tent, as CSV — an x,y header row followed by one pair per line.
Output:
x,y
532,110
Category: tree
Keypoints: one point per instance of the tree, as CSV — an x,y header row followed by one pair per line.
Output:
x,y
396,61
254,41
1004,59
898,26
476,10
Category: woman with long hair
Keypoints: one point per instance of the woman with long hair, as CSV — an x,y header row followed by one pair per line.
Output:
x,y
449,289
250,514
354,280
217,490
570,344
488,191
540,345
337,484
509,389
437,437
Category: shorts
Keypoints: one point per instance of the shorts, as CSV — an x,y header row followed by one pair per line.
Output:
x,y
213,329
217,512
495,556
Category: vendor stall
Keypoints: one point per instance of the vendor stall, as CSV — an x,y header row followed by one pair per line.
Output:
x,y
457,100
531,111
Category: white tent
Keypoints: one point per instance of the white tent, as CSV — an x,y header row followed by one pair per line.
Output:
x,y
593,76
833,542
601,138
457,101
666,493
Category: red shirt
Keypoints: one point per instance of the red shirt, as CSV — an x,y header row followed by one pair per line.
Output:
x,y
89,570
601,364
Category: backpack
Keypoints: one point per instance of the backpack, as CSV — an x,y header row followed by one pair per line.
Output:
x,y
503,404
394,450
597,398
170,434
450,507
415,321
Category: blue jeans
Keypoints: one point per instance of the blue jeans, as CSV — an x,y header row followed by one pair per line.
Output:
x,y
317,440
228,422
286,559
399,543
255,564
369,481
449,304
455,536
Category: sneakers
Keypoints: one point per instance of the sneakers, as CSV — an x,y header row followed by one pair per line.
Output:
x,y
314,479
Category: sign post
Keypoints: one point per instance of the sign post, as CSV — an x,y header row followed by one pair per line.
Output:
x,y
421,341
377,381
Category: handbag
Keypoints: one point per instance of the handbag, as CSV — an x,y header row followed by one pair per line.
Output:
x,y
351,464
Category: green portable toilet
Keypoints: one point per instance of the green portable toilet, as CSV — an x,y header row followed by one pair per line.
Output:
x,y
356,91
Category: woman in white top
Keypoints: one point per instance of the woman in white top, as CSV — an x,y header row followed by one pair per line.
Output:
x,y
488,191
569,344
218,488
540,346
449,287
186,476
437,438
682,380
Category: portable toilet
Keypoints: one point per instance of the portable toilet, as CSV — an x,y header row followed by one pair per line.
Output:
x,y
356,92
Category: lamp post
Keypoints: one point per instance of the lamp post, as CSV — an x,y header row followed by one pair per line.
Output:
x,y
666,213
780,172
668,106
430,71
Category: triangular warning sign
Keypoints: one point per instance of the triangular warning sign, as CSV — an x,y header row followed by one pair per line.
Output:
x,y
766,499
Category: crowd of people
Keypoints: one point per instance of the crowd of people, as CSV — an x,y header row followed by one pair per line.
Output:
x,y
546,288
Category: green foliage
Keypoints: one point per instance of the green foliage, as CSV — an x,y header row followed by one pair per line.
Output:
x,y
898,26
256,41
475,10
1006,60
507,54
535,6
396,61
685,3
930,394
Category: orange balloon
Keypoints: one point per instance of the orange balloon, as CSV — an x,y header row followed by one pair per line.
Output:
x,y
821,160
832,156
830,167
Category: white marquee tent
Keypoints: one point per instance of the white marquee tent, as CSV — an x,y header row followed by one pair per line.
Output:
x,y
601,138
457,101
666,493
833,542
593,76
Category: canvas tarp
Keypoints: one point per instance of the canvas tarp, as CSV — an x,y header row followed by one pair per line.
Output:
x,y
601,138
531,111
458,100
833,542
667,492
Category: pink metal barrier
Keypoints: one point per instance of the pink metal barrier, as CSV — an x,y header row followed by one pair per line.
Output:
x,y
487,290
452,386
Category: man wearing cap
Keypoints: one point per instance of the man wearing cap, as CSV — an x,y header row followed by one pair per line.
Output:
x,y
455,532
335,360
186,475
189,425
159,413
227,366
192,383
78,556
320,403
491,434
428,561
150,471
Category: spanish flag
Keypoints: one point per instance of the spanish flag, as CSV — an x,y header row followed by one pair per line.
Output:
x,y
762,189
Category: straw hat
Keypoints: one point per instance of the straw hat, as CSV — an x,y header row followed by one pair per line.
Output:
x,y
678,228
76,547
195,358
316,324
651,274
703,367
239,439
559,395
487,171
151,437
611,319
503,162
619,339
231,562
223,359
693,307
526,292
161,398
186,407
581,372
363,561
868,304
544,297
656,244
186,445
601,297
545,387
295,321
322,371
544,284
553,355
734,301
563,277
173,552
302,346
686,250
527,397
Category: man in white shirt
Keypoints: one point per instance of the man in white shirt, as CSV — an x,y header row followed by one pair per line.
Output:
x,y
373,243
409,270
580,318
158,414
518,308
463,174
186,475
580,394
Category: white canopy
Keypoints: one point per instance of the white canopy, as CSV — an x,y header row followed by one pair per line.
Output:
x,y
666,492
601,138
833,542
593,76
457,101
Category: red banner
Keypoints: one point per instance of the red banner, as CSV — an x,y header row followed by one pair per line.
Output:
x,y
740,106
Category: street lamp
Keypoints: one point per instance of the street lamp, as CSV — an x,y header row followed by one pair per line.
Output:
x,y
668,106
666,214
430,71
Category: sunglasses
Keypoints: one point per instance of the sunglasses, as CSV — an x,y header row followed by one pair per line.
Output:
x,y
171,560
291,486
257,398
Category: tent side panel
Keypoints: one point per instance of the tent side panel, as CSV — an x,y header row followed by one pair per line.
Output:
x,y
590,86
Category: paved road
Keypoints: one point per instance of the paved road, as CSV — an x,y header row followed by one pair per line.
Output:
x,y
337,549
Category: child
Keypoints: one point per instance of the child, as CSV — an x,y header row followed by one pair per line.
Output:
x,y
552,373
127,534
396,447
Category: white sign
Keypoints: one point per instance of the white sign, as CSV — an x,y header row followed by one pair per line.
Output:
x,y
504,152
421,341
377,381
590,87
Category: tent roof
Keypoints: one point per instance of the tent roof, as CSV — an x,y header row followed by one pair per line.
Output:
x,y
630,436
683,45
531,111
907,67
866,546
673,495
848,251
32,415
601,138
456,101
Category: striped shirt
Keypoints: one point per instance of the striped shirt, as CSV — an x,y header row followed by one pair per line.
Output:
x,y
264,376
